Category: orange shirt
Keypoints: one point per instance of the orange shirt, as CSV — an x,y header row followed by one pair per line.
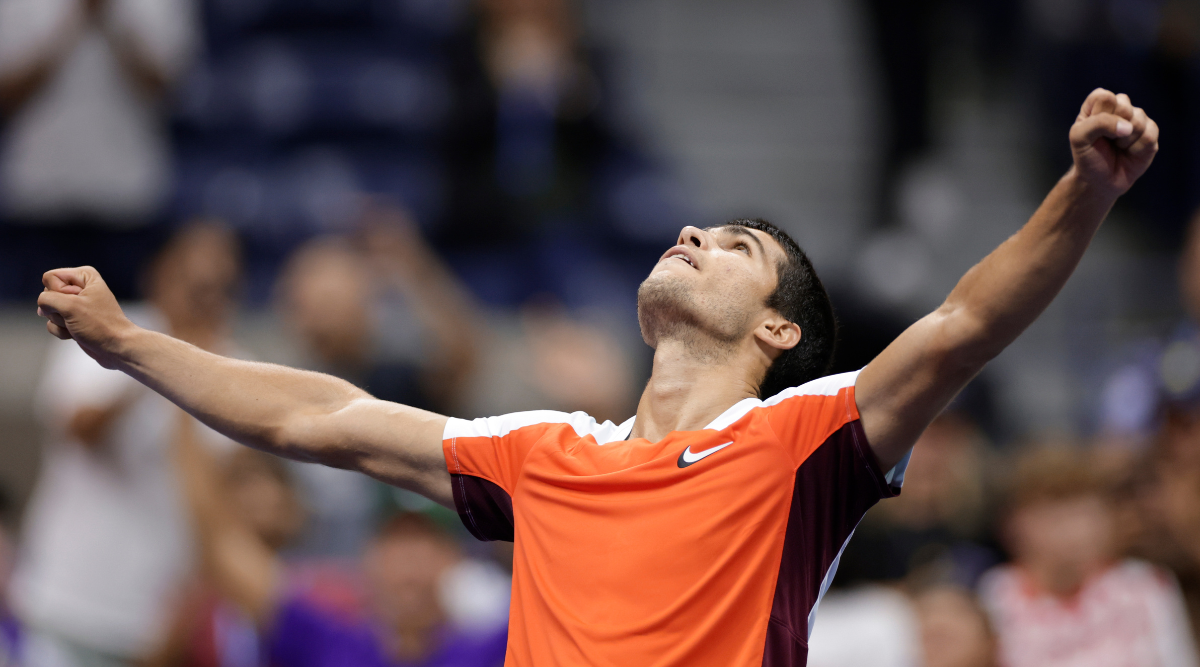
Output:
x,y
709,547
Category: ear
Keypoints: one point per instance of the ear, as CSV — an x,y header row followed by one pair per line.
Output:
x,y
778,333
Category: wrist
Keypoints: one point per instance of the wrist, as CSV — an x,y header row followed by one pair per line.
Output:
x,y
126,341
1087,194
1082,188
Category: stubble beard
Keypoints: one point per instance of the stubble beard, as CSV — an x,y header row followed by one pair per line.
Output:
x,y
668,311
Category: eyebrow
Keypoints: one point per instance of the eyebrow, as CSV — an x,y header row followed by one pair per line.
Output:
x,y
742,231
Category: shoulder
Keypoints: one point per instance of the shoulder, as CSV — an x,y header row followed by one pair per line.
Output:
x,y
539,421
1141,575
825,389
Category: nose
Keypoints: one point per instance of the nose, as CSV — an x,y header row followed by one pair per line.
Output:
x,y
695,237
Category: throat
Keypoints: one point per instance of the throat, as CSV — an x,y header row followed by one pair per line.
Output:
x,y
686,392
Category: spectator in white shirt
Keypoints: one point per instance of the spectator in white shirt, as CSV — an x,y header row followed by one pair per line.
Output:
x,y
83,83
106,540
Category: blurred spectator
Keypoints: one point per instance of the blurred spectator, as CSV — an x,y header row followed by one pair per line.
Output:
x,y
547,192
955,631
1160,510
936,529
105,539
383,312
402,623
1150,410
545,358
523,156
84,150
10,628
210,629
386,315
1067,598
1158,374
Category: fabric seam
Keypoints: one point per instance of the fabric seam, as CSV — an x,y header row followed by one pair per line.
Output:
x,y
872,462
463,486
779,623
779,440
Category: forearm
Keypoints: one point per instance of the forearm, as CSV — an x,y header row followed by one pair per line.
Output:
x,y
20,82
256,404
1002,295
297,414
913,380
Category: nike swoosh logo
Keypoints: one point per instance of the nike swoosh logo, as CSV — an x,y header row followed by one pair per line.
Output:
x,y
687,458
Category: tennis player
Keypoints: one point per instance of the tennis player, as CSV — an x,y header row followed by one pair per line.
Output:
x,y
703,530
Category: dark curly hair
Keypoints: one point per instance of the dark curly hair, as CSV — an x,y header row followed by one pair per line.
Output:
x,y
801,298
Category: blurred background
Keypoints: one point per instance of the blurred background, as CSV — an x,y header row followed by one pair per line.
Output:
x,y
451,203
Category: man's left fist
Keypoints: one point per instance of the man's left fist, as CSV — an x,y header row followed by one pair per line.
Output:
x,y
1112,141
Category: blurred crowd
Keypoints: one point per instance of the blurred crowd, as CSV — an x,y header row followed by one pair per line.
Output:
x,y
442,202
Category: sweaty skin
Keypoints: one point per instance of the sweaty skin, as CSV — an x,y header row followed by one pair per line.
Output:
x,y
698,370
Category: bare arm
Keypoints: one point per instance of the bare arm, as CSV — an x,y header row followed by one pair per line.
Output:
x,y
297,414
90,424
901,391
22,82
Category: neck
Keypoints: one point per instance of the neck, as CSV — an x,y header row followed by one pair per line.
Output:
x,y
688,390
1058,580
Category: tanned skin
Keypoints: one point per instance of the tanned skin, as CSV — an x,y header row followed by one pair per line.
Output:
x,y
704,316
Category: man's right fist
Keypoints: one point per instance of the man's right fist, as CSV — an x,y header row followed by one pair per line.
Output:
x,y
1113,142
78,305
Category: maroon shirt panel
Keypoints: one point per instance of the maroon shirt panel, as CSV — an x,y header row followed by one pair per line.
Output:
x,y
484,507
835,486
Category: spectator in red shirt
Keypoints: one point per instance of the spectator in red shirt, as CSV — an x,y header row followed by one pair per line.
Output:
x,y
1068,599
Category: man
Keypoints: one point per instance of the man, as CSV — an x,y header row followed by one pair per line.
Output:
x,y
703,530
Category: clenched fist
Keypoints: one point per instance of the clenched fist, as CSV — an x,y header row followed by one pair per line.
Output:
x,y
1112,141
79,306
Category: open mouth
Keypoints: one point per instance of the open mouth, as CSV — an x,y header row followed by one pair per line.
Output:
x,y
679,254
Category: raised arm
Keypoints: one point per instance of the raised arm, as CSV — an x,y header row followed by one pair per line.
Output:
x,y
297,414
901,391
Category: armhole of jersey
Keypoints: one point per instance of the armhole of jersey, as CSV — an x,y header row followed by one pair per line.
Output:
x,y
883,481
485,504
485,509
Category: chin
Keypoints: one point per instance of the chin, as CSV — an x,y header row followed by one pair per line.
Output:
x,y
663,289
665,303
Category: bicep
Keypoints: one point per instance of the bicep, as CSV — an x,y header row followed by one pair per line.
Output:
x,y
396,444
903,389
